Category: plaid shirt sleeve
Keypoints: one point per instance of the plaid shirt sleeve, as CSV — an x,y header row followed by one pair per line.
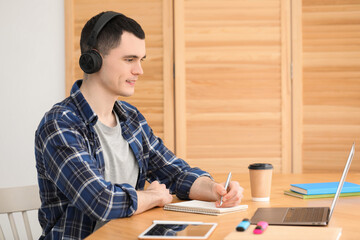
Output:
x,y
162,164
73,170
172,171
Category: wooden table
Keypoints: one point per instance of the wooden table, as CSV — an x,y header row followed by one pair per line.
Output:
x,y
346,214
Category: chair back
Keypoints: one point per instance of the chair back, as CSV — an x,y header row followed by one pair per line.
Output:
x,y
19,199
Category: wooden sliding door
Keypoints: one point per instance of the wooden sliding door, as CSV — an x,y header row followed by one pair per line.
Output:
x,y
330,95
233,86
154,95
274,81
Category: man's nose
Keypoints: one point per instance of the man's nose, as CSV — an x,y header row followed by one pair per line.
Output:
x,y
138,70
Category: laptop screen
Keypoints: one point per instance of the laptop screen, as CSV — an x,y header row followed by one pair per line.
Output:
x,y
342,180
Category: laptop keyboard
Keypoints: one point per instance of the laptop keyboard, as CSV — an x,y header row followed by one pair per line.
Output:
x,y
304,215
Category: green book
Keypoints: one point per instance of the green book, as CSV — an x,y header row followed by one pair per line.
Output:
x,y
303,196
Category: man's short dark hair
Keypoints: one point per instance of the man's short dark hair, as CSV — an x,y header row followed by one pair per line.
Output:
x,y
110,36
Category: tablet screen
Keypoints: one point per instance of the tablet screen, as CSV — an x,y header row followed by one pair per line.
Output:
x,y
178,231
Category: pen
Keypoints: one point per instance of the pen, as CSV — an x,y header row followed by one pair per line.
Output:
x,y
226,186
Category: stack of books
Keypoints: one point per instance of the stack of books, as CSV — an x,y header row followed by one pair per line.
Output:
x,y
322,190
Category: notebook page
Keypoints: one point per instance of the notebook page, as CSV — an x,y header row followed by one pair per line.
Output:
x,y
204,207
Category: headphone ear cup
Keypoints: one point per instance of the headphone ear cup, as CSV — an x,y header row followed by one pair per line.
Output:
x,y
90,62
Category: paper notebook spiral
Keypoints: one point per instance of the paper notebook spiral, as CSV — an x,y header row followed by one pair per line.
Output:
x,y
202,207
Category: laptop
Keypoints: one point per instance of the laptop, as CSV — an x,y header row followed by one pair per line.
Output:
x,y
303,216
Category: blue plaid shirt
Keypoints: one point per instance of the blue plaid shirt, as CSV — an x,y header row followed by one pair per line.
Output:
x,y
70,166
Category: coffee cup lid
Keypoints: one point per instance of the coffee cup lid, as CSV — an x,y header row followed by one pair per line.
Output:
x,y
260,166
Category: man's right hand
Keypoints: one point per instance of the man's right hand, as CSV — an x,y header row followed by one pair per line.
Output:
x,y
155,195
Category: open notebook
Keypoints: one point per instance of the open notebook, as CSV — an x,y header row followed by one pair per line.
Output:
x,y
203,207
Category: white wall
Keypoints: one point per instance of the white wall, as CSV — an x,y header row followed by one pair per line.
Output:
x,y
32,80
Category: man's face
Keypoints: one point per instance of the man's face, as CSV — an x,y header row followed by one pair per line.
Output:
x,y
122,66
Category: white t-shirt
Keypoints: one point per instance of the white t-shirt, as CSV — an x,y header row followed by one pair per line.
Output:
x,y
120,163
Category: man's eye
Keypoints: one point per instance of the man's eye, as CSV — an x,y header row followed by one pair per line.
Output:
x,y
129,59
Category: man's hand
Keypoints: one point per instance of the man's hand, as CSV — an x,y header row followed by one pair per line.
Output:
x,y
156,195
232,197
161,193
207,190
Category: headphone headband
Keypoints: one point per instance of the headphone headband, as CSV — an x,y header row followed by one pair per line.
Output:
x,y
100,23
91,61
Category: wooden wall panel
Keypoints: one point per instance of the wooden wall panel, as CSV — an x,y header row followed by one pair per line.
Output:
x,y
229,102
331,83
155,17
235,101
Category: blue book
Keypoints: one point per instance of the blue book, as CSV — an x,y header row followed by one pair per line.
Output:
x,y
324,188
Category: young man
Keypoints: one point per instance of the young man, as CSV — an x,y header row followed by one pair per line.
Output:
x,y
94,153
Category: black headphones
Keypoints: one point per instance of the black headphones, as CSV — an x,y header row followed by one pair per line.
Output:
x,y
91,61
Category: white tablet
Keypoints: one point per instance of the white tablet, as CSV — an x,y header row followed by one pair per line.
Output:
x,y
178,230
